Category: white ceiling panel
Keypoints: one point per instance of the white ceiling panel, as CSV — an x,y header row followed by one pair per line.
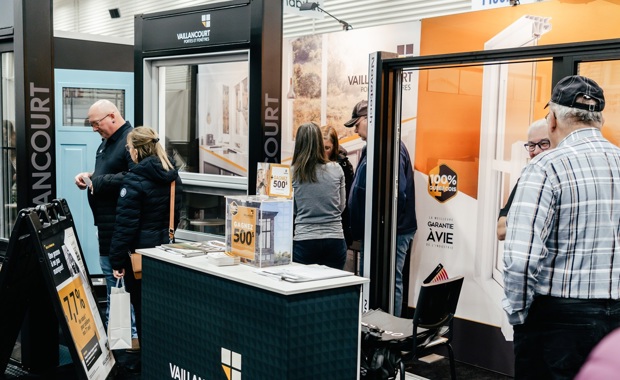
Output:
x,y
92,16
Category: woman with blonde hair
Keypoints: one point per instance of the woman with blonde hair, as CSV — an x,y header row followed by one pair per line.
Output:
x,y
319,202
143,208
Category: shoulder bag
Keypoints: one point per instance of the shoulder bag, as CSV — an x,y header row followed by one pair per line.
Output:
x,y
136,258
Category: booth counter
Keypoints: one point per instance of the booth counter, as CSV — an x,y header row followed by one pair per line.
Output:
x,y
207,322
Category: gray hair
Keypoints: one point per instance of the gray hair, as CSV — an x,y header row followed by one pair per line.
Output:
x,y
576,116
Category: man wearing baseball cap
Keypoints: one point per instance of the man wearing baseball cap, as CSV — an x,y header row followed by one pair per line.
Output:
x,y
562,248
407,224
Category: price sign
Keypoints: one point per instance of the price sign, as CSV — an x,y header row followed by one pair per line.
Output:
x,y
243,235
80,320
280,181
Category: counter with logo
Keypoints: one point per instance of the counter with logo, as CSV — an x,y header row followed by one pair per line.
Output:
x,y
201,321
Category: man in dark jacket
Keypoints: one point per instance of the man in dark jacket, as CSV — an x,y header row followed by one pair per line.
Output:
x,y
111,164
407,223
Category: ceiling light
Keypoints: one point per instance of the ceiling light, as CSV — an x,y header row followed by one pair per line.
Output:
x,y
310,6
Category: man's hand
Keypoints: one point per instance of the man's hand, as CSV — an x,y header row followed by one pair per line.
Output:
x,y
501,228
82,180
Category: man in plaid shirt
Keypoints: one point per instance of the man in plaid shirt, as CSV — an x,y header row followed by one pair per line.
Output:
x,y
562,248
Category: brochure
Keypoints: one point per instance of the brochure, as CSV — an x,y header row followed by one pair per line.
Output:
x,y
222,259
194,248
303,273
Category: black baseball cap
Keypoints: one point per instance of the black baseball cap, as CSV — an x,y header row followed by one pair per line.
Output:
x,y
360,109
567,90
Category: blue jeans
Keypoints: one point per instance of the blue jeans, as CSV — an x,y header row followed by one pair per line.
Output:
x,y
110,282
330,252
559,333
402,249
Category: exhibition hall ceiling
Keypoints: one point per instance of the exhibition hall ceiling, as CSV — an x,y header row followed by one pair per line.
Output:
x,y
93,17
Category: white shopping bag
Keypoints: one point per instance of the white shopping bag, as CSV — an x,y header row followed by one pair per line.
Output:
x,y
119,323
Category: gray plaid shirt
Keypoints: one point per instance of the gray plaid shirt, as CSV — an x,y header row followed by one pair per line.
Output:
x,y
563,229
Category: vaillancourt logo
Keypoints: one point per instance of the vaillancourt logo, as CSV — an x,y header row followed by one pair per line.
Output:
x,y
206,20
178,373
231,364
197,35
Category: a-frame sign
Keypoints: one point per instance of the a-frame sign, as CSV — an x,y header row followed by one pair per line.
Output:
x,y
44,260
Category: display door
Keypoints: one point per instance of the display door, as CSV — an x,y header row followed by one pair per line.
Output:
x,y
76,143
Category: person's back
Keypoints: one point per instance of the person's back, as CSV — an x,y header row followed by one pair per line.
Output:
x,y
142,219
561,255
143,210
319,199
584,175
318,211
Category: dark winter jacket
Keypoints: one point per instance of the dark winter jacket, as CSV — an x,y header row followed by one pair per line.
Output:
x,y
357,199
111,164
143,210
406,218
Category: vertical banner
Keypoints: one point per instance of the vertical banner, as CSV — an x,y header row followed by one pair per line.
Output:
x,y
34,86
265,85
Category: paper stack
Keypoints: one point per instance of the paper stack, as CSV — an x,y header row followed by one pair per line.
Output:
x,y
194,248
221,259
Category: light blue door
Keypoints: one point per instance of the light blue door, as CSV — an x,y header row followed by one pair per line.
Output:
x,y
76,143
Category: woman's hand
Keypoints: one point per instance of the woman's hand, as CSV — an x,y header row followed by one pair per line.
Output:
x,y
118,273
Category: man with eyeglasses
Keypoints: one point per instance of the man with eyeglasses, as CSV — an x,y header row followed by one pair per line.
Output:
x,y
406,216
537,142
562,248
104,183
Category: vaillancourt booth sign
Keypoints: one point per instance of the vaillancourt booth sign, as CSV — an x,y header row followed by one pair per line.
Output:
x,y
197,35
198,28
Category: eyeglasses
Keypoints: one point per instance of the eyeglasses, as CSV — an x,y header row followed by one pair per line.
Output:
x,y
96,123
543,144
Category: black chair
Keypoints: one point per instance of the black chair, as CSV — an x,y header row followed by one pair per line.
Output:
x,y
432,322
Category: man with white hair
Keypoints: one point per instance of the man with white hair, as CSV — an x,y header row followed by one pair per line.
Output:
x,y
537,142
112,162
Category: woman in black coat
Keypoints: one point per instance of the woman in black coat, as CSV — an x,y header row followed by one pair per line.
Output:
x,y
143,208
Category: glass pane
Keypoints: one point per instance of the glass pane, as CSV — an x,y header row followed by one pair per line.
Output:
x,y
206,132
607,75
525,97
77,101
8,164
203,212
207,117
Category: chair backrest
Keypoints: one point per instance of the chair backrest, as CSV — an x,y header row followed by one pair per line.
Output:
x,y
437,303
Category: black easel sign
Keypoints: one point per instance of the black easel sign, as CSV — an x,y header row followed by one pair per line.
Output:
x,y
53,240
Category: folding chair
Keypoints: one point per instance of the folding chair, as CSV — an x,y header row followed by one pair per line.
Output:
x,y
432,322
